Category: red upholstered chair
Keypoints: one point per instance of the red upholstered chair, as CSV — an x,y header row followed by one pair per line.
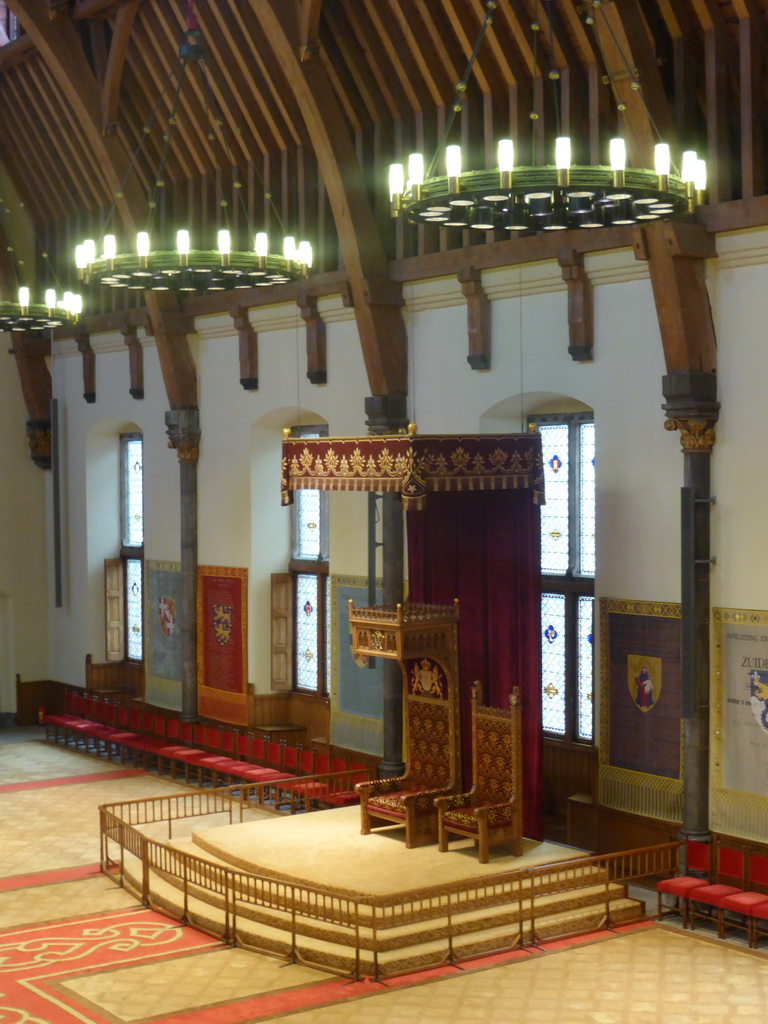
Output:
x,y
259,750
680,887
704,902
491,812
243,747
740,903
757,912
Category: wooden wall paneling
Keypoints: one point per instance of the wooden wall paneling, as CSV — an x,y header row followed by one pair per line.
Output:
x,y
314,713
33,694
567,769
618,830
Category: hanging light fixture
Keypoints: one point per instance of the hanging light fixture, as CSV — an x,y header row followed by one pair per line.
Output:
x,y
527,199
177,265
24,315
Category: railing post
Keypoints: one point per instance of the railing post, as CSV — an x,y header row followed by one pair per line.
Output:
x,y
294,958
451,956
145,872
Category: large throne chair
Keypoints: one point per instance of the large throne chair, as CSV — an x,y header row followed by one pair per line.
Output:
x,y
491,812
423,638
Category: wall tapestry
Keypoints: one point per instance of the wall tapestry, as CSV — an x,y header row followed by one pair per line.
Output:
x,y
641,687
162,628
222,629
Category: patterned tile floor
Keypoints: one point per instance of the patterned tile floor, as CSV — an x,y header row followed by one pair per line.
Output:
x,y
129,966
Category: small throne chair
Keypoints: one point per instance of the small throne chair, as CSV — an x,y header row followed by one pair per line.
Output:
x,y
423,638
491,812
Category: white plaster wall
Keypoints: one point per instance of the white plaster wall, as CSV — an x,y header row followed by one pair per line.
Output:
x,y
241,522
23,540
737,284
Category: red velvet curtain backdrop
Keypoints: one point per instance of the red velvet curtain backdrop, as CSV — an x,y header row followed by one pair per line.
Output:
x,y
484,548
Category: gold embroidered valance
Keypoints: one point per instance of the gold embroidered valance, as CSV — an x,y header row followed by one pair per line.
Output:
x,y
412,465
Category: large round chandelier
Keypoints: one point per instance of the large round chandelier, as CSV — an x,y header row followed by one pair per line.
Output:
x,y
171,263
25,315
184,269
549,198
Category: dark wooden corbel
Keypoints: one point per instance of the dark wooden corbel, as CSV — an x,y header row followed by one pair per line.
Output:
x,y
317,353
31,353
581,323
83,340
248,342
135,359
478,318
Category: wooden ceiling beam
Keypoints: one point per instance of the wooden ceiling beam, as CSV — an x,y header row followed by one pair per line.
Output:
x,y
410,73
59,46
625,41
365,40
377,301
113,77
423,51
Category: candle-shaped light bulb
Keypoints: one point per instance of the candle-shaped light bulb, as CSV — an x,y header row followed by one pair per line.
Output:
x,y
182,242
618,155
66,301
415,175
663,162
700,176
506,154
50,298
396,180
142,244
453,161
305,254
261,244
80,262
89,251
289,248
225,244
76,305
110,247
563,159
415,170
24,297
689,165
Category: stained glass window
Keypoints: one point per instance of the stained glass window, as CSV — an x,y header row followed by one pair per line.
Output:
x,y
585,702
312,588
554,514
587,498
307,623
132,526
134,631
553,663
133,491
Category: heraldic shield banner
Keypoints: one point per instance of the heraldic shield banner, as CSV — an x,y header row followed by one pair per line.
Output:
x,y
222,643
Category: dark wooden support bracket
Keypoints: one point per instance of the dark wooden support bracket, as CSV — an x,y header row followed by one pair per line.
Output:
x,y
478,318
171,329
135,360
30,353
581,324
675,253
317,353
248,343
89,366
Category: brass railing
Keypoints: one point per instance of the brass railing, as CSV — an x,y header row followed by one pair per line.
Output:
x,y
364,924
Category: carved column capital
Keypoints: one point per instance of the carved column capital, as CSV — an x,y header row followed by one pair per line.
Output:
x,y
696,434
183,429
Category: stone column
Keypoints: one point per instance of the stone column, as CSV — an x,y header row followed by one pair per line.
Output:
x,y
387,415
692,409
183,429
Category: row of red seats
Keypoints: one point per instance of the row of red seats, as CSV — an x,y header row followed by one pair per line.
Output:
x,y
697,898
205,752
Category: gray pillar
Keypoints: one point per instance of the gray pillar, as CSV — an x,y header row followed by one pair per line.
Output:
x,y
183,428
387,415
692,409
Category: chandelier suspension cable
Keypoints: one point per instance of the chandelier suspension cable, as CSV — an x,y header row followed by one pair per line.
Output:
x,y
636,84
461,88
188,269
